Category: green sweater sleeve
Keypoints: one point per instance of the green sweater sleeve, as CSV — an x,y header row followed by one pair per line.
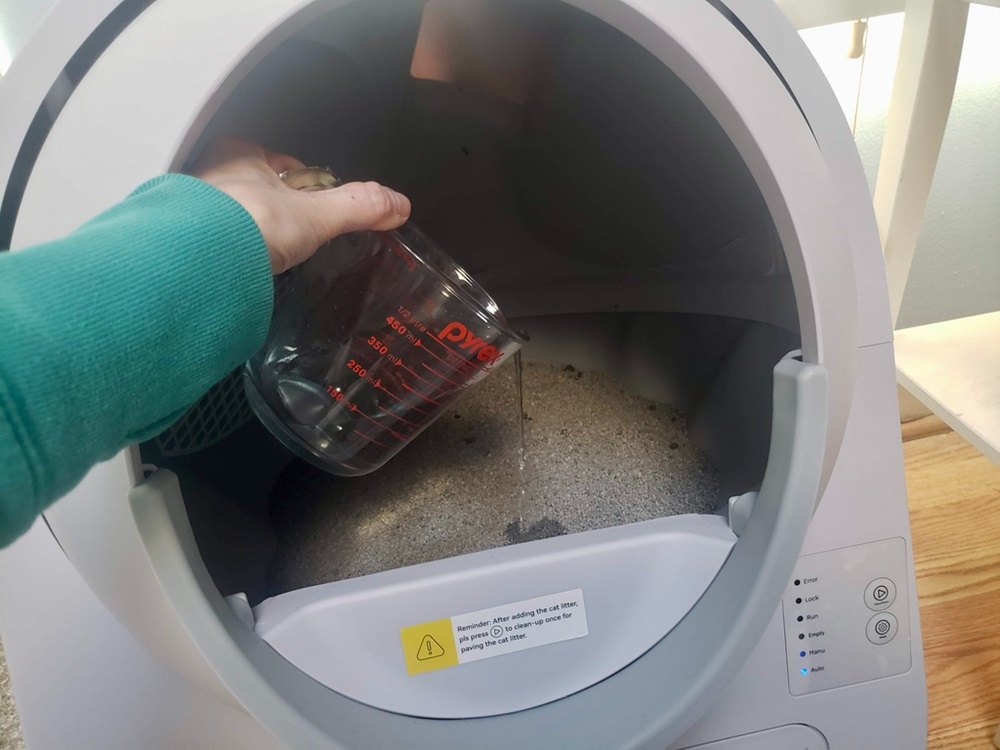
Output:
x,y
108,335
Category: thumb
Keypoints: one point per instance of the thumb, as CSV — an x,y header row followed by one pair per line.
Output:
x,y
359,205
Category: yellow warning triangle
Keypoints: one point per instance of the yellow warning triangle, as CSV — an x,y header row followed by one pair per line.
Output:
x,y
429,649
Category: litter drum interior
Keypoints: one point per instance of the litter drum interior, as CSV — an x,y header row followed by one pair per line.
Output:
x,y
594,457
594,196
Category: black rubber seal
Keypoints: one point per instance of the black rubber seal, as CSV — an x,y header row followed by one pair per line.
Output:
x,y
52,105
101,39
720,6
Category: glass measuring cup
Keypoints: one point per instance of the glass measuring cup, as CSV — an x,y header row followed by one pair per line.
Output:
x,y
371,340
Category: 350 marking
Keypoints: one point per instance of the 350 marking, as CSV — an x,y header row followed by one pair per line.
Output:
x,y
378,346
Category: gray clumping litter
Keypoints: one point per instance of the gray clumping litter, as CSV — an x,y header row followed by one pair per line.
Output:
x,y
518,531
595,457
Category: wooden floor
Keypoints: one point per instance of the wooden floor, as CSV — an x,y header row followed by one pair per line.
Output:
x,y
955,515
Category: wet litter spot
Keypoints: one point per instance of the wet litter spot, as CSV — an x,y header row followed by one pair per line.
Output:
x,y
457,415
471,439
569,368
543,529
651,407
674,446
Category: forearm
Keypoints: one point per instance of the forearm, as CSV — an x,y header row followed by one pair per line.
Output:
x,y
110,334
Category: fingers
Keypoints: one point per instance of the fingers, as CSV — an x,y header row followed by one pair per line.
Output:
x,y
356,206
281,162
228,151
294,223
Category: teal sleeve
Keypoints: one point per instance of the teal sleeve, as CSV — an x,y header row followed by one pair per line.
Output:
x,y
108,335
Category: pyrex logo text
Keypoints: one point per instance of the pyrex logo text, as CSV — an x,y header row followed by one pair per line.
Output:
x,y
467,340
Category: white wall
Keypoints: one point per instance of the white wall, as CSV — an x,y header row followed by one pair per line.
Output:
x,y
956,269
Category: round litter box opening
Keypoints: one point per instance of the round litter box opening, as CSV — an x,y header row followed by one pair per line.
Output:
x,y
599,201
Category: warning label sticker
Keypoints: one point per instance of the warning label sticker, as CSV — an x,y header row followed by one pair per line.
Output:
x,y
495,631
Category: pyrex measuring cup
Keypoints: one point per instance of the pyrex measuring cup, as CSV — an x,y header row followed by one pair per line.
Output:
x,y
371,339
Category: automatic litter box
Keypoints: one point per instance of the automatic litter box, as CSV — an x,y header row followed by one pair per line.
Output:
x,y
665,197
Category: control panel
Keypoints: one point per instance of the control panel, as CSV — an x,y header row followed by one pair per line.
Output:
x,y
846,616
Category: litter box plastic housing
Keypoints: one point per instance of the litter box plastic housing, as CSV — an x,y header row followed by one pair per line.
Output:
x,y
665,191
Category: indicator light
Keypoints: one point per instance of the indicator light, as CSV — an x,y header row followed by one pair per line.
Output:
x,y
804,670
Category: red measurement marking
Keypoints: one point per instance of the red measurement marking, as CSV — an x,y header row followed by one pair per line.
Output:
x,y
470,341
432,384
369,438
412,319
398,250
354,408
415,408
419,410
463,362
425,398
399,363
378,384
437,374
396,416
447,348
397,435
420,343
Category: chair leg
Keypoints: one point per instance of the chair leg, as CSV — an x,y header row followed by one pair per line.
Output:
x,y
996,739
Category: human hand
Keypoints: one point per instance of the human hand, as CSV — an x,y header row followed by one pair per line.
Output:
x,y
294,223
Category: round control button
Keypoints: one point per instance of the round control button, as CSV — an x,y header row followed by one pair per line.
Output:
x,y
882,628
880,594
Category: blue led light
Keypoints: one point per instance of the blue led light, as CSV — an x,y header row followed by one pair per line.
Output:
x,y
802,653
804,670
